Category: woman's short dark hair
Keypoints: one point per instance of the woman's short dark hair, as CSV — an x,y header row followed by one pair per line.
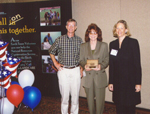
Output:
x,y
125,25
45,39
97,30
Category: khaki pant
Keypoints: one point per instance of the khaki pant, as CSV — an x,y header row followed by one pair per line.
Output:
x,y
69,84
99,94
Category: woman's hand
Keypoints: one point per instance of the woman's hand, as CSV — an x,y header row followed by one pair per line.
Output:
x,y
110,87
97,68
137,88
87,68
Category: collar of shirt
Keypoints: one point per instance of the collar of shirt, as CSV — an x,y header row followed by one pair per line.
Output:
x,y
72,38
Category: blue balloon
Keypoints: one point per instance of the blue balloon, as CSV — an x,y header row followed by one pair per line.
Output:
x,y
32,97
24,100
25,88
14,82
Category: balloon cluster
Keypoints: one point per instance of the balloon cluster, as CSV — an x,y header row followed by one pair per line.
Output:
x,y
8,65
15,92
32,95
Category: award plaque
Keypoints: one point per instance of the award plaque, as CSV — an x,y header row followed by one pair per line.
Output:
x,y
92,63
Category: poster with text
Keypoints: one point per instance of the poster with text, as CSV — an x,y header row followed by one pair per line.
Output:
x,y
25,25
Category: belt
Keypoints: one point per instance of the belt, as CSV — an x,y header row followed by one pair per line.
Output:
x,y
71,67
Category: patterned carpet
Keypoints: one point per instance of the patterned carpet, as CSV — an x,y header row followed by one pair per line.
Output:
x,y
51,105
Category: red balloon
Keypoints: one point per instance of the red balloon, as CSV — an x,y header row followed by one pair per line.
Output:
x,y
15,94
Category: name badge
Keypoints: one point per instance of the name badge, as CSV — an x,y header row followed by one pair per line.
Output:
x,y
113,52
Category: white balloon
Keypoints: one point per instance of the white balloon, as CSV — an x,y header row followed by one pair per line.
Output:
x,y
26,78
6,106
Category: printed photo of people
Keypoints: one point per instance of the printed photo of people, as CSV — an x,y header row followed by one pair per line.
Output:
x,y
47,64
50,16
48,38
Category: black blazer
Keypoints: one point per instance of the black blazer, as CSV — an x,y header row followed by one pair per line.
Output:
x,y
125,71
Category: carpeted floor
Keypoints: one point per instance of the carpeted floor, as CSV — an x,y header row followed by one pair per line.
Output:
x,y
51,105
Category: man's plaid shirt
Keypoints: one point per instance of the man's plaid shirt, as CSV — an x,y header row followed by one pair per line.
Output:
x,y
68,50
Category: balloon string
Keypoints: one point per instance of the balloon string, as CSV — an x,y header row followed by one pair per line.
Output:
x,y
25,107
2,100
19,107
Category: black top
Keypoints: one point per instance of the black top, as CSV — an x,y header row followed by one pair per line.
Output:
x,y
125,71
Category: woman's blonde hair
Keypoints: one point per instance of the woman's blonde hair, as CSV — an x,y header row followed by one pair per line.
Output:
x,y
125,25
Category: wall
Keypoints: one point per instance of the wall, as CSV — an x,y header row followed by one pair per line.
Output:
x,y
105,13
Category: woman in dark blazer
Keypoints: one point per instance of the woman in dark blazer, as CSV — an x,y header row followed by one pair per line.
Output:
x,y
95,80
124,70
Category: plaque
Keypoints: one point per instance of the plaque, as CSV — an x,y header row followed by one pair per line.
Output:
x,y
92,63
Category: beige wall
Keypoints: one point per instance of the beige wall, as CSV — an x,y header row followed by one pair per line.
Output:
x,y
105,13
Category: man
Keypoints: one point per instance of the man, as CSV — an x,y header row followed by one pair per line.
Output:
x,y
49,38
68,47
51,14
46,17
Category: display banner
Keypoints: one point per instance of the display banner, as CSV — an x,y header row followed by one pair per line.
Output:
x,y
19,27
30,29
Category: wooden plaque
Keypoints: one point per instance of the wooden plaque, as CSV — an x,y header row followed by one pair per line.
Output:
x,y
92,63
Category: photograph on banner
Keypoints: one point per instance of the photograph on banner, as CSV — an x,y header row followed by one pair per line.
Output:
x,y
48,38
48,65
50,16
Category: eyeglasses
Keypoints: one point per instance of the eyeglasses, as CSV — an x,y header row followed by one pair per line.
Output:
x,y
71,25
94,33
